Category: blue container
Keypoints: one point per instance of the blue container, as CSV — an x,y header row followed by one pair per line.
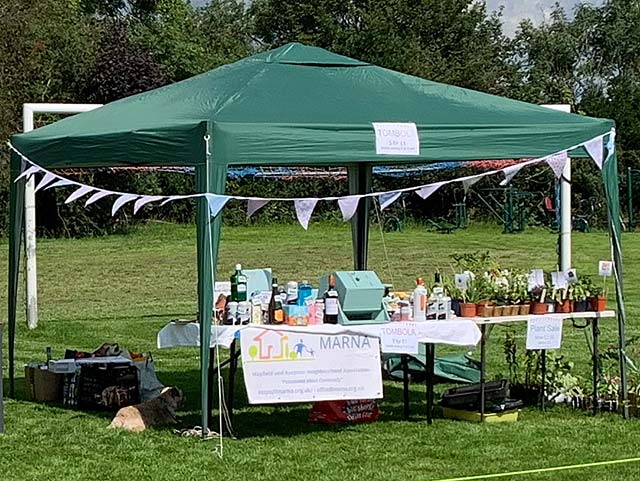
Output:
x,y
305,291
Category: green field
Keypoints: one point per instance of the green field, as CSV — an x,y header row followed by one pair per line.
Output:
x,y
125,288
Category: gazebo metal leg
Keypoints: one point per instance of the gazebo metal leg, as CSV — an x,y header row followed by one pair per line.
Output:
x,y
405,385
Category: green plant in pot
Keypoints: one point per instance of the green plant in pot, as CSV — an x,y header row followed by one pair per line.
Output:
x,y
456,295
564,299
470,297
580,295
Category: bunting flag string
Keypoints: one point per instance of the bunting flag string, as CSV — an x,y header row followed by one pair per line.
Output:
x,y
304,207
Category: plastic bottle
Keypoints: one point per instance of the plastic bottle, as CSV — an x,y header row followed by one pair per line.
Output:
x,y
304,292
420,301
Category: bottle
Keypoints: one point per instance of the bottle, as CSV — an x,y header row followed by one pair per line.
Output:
x,y
331,300
238,285
319,313
276,314
304,292
420,301
292,293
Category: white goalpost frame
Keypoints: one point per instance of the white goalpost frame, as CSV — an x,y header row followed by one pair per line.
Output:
x,y
31,288
564,229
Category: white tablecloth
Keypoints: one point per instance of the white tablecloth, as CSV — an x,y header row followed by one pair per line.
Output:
x,y
456,332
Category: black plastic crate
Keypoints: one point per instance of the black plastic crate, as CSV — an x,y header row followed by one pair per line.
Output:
x,y
107,386
496,393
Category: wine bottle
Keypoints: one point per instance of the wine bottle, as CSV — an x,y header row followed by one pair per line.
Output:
x,y
238,285
331,300
276,314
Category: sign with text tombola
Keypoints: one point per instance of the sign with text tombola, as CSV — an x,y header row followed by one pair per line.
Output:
x,y
396,138
286,366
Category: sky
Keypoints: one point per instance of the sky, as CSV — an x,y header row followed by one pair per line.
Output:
x,y
537,10
514,10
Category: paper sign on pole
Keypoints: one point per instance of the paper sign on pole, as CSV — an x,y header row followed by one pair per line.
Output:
x,y
535,279
462,281
396,138
559,280
605,268
399,338
544,332
287,366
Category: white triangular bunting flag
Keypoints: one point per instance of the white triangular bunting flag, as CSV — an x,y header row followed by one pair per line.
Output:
x,y
304,209
172,198
84,190
427,190
510,172
144,200
611,144
253,205
557,163
30,171
120,201
216,203
594,149
467,182
387,199
45,181
348,206
60,183
97,196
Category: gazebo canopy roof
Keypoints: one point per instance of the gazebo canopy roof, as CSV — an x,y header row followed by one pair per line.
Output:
x,y
300,105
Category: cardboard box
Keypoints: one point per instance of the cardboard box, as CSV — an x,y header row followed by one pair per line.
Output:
x,y
42,385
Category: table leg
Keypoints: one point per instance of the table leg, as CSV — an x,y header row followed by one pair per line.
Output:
x,y
429,365
405,385
594,359
483,361
543,377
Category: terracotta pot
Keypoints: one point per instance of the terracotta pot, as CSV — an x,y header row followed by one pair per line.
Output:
x,y
565,306
538,308
484,310
598,303
467,309
524,309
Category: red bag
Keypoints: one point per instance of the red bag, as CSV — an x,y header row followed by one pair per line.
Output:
x,y
331,412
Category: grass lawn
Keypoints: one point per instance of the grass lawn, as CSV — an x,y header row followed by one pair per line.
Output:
x,y
125,288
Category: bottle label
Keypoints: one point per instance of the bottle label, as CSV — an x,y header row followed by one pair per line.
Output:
x,y
331,306
278,316
242,288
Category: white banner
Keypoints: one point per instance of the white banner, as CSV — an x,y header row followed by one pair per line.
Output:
x,y
396,138
283,367
544,332
399,338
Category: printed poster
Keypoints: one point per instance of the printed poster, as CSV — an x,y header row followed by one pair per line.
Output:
x,y
286,366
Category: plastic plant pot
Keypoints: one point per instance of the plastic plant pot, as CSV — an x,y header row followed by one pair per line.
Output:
x,y
598,303
468,309
538,308
565,306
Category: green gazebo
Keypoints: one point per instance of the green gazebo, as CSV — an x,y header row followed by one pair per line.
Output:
x,y
296,106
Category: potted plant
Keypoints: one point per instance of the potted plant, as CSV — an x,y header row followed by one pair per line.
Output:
x,y
470,297
538,304
485,306
580,295
564,300
453,292
598,299
520,295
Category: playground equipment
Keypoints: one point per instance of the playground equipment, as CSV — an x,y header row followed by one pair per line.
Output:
x,y
515,207
631,173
